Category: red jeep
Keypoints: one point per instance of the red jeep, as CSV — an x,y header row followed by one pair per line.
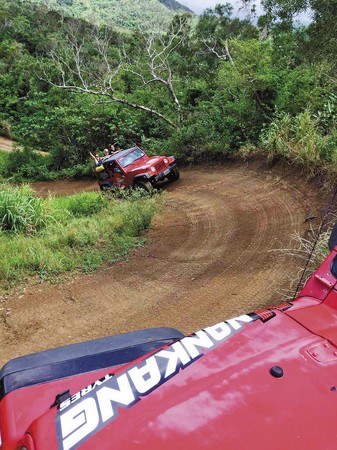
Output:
x,y
265,380
133,167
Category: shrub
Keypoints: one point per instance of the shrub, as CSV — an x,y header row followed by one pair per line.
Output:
x,y
20,210
79,205
4,156
84,231
296,138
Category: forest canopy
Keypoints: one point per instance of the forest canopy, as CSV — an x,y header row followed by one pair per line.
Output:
x,y
124,14
204,89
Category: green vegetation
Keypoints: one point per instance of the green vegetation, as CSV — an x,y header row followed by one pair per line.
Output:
x,y
50,236
26,165
298,139
21,211
126,14
204,89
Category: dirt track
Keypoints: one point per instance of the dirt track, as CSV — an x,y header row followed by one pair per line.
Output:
x,y
6,144
210,255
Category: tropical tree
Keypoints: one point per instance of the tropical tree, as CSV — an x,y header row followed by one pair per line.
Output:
x,y
98,64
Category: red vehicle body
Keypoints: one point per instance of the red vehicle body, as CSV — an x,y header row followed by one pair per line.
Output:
x,y
265,380
133,167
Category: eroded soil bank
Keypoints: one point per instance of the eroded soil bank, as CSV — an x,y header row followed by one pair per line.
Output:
x,y
212,253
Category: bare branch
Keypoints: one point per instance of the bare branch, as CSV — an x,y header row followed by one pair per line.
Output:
x,y
221,52
158,69
96,73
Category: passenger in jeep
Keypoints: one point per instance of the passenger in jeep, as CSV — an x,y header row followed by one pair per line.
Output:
x,y
114,148
105,154
96,158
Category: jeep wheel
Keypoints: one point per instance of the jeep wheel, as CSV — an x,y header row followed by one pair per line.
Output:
x,y
146,185
174,175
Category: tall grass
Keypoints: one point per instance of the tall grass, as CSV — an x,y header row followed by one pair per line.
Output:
x,y
4,158
20,210
298,139
82,232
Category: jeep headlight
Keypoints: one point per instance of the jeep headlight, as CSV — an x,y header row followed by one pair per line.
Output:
x,y
153,169
165,160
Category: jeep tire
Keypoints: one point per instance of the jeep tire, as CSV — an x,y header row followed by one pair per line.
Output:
x,y
174,175
146,185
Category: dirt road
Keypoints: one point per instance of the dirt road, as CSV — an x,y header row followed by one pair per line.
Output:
x,y
6,144
211,254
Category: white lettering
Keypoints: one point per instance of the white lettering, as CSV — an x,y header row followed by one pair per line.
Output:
x,y
101,381
86,390
75,397
234,322
65,404
106,396
199,340
90,413
178,353
78,422
146,377
219,331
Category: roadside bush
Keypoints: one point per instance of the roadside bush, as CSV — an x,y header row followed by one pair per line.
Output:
x,y
202,141
296,138
300,87
3,163
21,166
79,205
26,162
5,127
21,211
132,194
81,233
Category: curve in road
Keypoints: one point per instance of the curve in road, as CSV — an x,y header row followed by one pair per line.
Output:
x,y
212,253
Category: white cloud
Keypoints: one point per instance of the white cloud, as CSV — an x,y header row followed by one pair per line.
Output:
x,y
198,6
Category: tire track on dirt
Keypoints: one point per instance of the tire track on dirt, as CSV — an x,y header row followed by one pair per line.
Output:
x,y
211,254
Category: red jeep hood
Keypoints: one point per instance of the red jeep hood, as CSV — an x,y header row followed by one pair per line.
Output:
x,y
143,165
240,384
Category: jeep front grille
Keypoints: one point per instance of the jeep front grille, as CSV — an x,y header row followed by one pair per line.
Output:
x,y
160,166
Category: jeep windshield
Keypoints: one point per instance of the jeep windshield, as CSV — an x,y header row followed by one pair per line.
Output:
x,y
131,157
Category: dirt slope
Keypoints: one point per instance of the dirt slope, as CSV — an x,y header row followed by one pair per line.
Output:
x,y
210,255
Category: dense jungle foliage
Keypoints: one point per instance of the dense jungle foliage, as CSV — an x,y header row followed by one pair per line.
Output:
x,y
203,90
121,13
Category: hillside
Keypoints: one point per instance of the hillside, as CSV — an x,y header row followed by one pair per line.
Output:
x,y
175,6
119,13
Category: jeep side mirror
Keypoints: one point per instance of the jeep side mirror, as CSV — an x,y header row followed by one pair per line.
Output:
x,y
333,238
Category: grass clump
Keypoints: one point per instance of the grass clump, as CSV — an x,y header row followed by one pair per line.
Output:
x,y
79,205
20,210
303,139
80,233
22,166
296,138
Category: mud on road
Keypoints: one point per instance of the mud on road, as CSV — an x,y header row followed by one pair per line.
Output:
x,y
212,253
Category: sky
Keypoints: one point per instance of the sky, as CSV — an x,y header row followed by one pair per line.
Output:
x,y
198,6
